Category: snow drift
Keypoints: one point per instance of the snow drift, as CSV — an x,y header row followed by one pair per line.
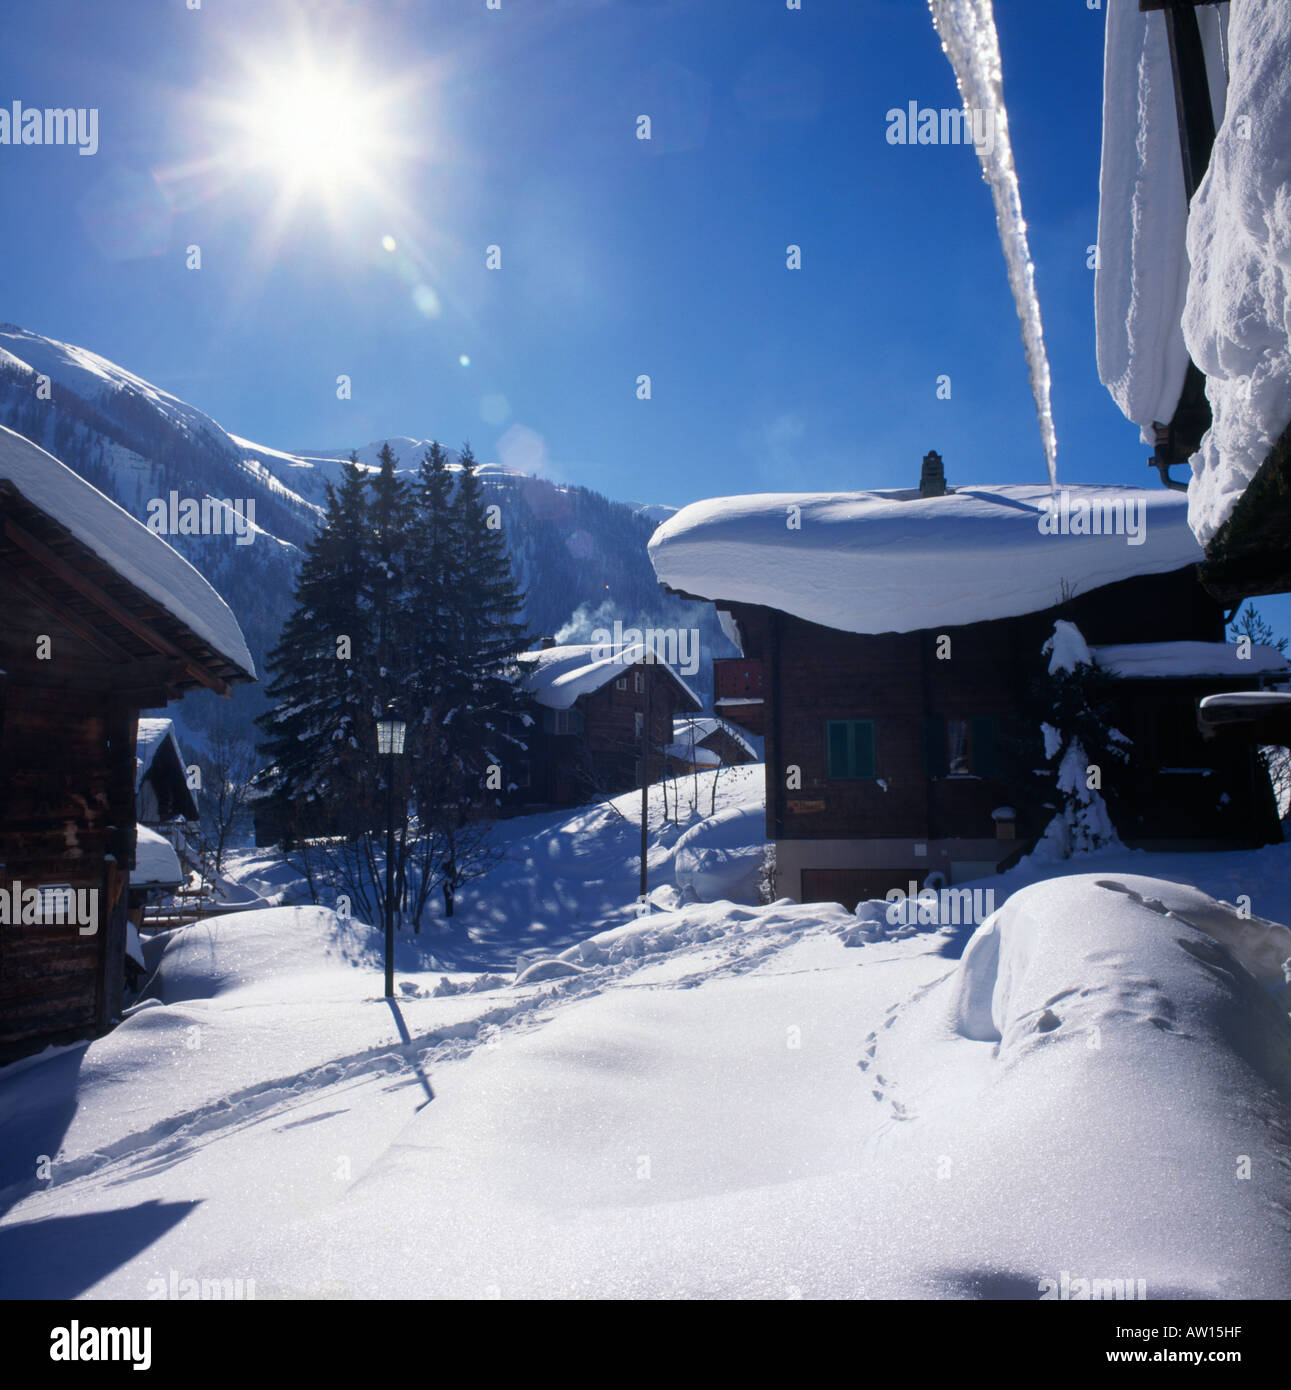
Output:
x,y
720,857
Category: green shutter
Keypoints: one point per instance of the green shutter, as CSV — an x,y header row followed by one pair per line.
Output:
x,y
839,752
863,748
934,746
985,762
850,748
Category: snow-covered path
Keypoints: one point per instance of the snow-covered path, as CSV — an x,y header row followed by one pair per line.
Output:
x,y
713,1102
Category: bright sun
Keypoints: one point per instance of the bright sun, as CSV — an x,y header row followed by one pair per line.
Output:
x,y
316,132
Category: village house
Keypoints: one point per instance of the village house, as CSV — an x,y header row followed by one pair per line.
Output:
x,y
164,801
892,660
702,742
99,619
588,705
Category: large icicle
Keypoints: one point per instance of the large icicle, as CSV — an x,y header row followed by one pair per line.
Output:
x,y
968,38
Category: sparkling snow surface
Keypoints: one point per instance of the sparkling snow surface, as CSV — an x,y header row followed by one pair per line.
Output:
x,y
892,561
135,552
716,1100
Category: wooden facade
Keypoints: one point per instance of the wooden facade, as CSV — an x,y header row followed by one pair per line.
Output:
x,y
892,756
83,651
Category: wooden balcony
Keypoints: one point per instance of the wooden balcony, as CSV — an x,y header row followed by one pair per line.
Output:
x,y
739,688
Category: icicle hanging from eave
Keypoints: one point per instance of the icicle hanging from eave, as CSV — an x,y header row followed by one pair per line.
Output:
x,y
970,41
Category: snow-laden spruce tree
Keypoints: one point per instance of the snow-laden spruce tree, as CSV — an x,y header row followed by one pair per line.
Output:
x,y
318,730
1081,745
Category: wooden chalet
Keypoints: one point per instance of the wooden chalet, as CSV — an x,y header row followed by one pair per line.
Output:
x,y
164,801
701,742
100,619
588,711
891,755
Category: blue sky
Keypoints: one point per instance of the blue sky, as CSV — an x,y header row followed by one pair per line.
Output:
x,y
517,127
619,256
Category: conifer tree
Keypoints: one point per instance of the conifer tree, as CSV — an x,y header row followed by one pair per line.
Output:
x,y
488,606
316,732
1081,744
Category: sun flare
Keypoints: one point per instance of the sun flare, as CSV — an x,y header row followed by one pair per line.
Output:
x,y
316,131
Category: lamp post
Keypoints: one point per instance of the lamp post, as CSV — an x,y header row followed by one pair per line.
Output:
x,y
390,732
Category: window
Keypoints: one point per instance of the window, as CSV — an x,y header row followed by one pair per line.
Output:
x,y
524,774
638,724
850,749
959,746
621,683
562,721
638,682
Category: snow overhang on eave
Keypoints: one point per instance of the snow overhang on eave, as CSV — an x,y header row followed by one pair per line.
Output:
x,y
1250,554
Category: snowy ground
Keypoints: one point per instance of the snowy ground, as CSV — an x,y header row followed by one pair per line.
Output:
x,y
714,1101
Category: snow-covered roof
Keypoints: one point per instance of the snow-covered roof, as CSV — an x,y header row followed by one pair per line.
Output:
x,y
893,561
705,726
557,676
156,865
1207,279
1231,706
1185,660
152,734
682,750
134,552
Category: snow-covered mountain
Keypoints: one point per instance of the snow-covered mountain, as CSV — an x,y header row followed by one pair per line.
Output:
x,y
580,557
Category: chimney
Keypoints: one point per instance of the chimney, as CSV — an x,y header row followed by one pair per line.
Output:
x,y
932,481
548,642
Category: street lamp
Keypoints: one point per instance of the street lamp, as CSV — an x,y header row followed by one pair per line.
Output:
x,y
390,732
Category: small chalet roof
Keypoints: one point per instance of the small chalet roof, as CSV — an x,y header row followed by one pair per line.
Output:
x,y
557,676
156,865
894,561
705,726
157,748
127,547
1187,660
699,757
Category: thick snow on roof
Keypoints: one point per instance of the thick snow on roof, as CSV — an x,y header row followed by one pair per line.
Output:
x,y
1225,297
156,865
1237,322
892,561
1142,272
705,726
559,675
1180,660
136,553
